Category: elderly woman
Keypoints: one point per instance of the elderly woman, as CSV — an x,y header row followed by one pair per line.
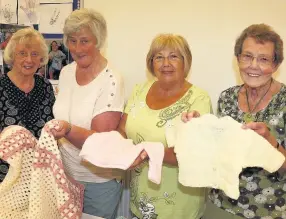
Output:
x,y
90,99
153,107
26,98
260,104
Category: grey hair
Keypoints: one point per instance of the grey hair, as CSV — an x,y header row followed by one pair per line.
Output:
x,y
86,18
261,33
26,36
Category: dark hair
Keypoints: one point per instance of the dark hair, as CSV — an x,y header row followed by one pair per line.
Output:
x,y
52,45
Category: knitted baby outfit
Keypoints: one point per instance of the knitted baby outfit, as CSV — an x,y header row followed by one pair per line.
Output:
x,y
111,150
212,152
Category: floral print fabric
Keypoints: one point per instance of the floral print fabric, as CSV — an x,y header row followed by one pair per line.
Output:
x,y
168,200
262,195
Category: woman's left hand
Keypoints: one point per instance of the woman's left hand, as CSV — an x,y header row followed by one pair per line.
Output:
x,y
261,129
187,116
62,130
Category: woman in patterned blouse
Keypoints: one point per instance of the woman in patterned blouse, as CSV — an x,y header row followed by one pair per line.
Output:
x,y
26,99
259,103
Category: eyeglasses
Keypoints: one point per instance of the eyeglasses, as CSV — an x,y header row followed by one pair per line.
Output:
x,y
173,58
262,60
23,55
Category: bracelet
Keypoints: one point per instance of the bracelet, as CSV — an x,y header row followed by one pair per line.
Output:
x,y
277,145
68,129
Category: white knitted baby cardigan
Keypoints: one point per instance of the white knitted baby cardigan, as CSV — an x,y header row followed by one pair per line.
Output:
x,y
36,186
212,152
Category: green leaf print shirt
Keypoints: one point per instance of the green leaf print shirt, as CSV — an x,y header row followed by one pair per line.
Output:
x,y
168,200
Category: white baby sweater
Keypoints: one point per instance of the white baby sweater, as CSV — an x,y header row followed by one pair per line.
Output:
x,y
212,152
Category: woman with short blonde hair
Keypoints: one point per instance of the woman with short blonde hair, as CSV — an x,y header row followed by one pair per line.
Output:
x,y
155,106
26,36
26,98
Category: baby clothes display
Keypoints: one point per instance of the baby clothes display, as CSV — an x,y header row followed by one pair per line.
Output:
x,y
36,186
212,152
120,153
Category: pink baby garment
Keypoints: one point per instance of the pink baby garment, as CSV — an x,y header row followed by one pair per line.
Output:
x,y
111,150
36,186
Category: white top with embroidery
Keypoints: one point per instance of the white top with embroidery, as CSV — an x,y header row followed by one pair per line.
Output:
x,y
215,150
79,105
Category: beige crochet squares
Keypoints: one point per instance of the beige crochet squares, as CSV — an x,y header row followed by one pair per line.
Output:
x,y
36,186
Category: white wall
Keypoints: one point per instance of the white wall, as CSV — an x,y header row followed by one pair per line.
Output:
x,y
210,26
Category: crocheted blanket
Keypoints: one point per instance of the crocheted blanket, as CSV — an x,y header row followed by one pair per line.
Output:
x,y
36,186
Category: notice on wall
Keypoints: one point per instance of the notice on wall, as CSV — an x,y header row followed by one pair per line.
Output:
x,y
8,12
53,16
28,12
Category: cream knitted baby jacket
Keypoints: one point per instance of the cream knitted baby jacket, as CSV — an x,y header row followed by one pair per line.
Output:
x,y
212,152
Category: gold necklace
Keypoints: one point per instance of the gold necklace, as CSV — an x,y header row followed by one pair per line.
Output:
x,y
249,117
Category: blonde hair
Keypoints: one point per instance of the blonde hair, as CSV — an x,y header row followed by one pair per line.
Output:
x,y
26,36
88,18
170,41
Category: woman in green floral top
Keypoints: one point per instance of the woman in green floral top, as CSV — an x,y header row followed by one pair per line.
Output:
x,y
153,107
260,103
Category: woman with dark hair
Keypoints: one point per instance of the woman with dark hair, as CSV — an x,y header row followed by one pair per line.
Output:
x,y
56,57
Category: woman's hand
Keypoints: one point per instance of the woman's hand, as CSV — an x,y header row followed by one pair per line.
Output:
x,y
62,130
187,116
140,159
261,129
170,157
